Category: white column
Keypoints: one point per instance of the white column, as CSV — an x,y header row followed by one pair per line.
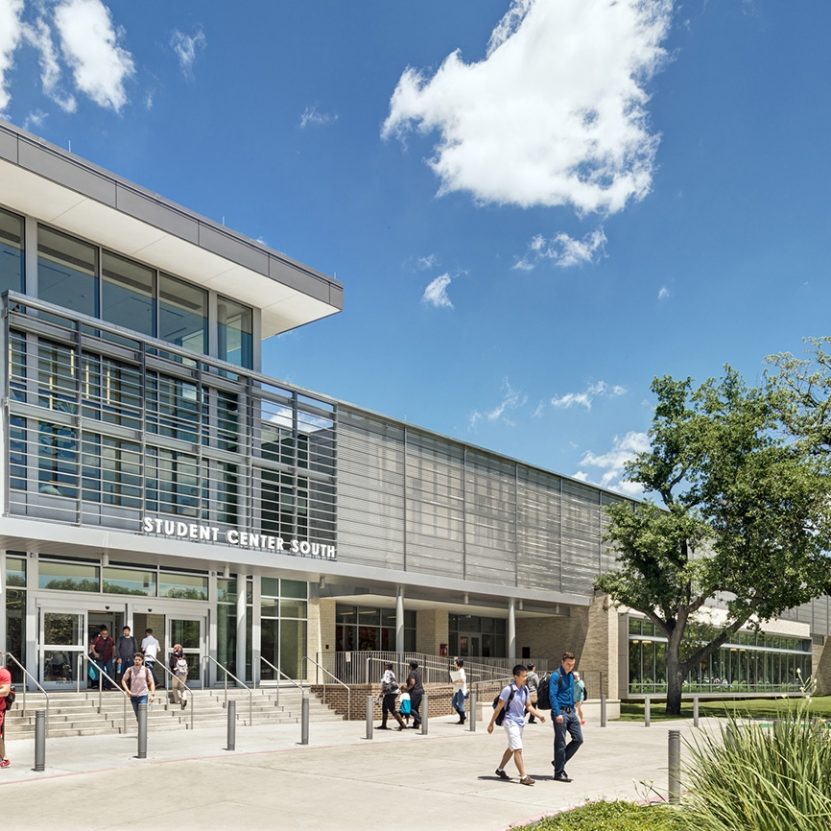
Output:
x,y
512,629
242,585
399,620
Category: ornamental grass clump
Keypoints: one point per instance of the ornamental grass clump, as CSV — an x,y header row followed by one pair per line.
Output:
x,y
761,777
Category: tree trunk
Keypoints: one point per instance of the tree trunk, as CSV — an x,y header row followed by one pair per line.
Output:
x,y
675,679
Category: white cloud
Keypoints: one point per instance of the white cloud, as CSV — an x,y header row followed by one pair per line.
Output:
x,y
555,114
39,35
586,397
663,293
186,47
90,45
34,119
11,30
564,251
538,410
612,463
425,263
511,400
436,292
314,117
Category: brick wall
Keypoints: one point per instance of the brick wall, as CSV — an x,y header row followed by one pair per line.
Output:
x,y
440,696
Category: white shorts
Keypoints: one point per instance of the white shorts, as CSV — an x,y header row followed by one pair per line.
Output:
x,y
514,732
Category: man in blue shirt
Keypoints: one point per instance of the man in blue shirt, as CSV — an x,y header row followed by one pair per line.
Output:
x,y
564,716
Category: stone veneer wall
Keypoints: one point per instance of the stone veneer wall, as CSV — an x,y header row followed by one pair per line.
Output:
x,y
821,663
432,630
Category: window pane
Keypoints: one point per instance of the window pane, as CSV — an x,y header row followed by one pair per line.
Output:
x,y
15,572
183,314
292,647
226,590
235,329
270,587
76,577
127,294
11,252
294,588
293,608
67,269
130,581
184,586
57,460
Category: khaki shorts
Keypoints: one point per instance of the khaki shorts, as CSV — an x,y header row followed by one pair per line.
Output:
x,y
514,732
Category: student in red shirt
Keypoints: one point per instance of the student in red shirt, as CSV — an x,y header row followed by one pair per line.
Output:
x,y
5,686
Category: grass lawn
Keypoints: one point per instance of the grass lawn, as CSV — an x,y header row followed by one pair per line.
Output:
x,y
609,816
819,707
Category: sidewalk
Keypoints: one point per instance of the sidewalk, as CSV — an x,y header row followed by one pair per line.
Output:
x,y
339,781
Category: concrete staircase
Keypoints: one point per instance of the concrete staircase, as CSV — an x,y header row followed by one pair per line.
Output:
x,y
77,714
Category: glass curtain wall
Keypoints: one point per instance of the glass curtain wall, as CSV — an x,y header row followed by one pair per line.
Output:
x,y
16,611
128,294
235,329
183,314
67,272
360,628
11,252
283,623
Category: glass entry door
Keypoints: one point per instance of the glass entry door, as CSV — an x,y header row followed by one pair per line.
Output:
x,y
190,632
62,640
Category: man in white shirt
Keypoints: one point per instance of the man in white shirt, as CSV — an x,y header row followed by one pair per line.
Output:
x,y
150,647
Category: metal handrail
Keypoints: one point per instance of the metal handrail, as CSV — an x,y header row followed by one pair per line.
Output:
x,y
205,659
27,674
338,681
101,676
277,688
175,679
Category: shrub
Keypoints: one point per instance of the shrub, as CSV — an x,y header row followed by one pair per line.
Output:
x,y
610,816
761,778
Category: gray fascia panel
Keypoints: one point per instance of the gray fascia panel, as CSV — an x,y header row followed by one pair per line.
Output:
x,y
154,213
336,296
56,164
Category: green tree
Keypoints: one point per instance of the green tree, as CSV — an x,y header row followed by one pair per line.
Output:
x,y
743,517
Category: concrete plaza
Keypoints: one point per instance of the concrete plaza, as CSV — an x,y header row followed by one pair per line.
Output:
x,y
339,781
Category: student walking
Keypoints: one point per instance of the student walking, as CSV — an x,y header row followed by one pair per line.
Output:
x,y
179,667
138,683
561,692
150,647
460,689
389,692
125,648
416,690
5,692
404,704
515,701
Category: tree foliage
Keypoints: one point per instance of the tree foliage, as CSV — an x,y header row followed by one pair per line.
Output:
x,y
742,515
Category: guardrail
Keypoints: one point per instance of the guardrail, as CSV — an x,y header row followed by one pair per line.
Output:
x,y
27,674
337,681
176,680
228,674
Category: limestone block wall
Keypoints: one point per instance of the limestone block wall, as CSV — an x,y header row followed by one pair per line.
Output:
x,y
432,629
822,667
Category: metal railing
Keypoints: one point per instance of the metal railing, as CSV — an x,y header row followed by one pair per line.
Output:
x,y
337,681
176,680
279,674
101,676
27,674
230,674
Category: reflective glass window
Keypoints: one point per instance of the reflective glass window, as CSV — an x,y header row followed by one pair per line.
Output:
x,y
235,324
183,314
127,294
16,571
77,577
183,586
67,272
129,581
172,482
294,588
11,252
57,460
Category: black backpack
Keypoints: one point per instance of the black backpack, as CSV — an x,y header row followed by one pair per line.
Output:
x,y
501,716
544,690
10,697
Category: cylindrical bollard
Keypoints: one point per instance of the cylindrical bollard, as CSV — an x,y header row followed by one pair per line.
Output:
x,y
40,740
695,711
602,709
425,715
473,713
304,720
232,726
674,766
370,715
647,712
142,731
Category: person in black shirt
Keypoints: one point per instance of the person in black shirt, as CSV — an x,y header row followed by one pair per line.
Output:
x,y
416,690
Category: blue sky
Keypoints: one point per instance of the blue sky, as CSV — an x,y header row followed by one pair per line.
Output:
x,y
534,206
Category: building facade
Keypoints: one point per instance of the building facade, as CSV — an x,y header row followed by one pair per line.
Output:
x,y
153,476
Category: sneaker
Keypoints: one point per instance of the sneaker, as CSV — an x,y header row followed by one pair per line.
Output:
x,y
502,775
4,763
526,780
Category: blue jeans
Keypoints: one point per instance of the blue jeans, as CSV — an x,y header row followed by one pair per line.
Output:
x,y
459,702
135,700
563,752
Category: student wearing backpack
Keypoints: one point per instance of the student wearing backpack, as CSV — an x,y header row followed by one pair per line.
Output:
x,y
125,647
179,667
564,716
138,683
389,692
404,705
509,711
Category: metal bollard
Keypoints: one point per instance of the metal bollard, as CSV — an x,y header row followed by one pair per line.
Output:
x,y
473,713
647,712
370,715
304,719
142,731
603,709
425,715
695,711
40,740
674,766
231,743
